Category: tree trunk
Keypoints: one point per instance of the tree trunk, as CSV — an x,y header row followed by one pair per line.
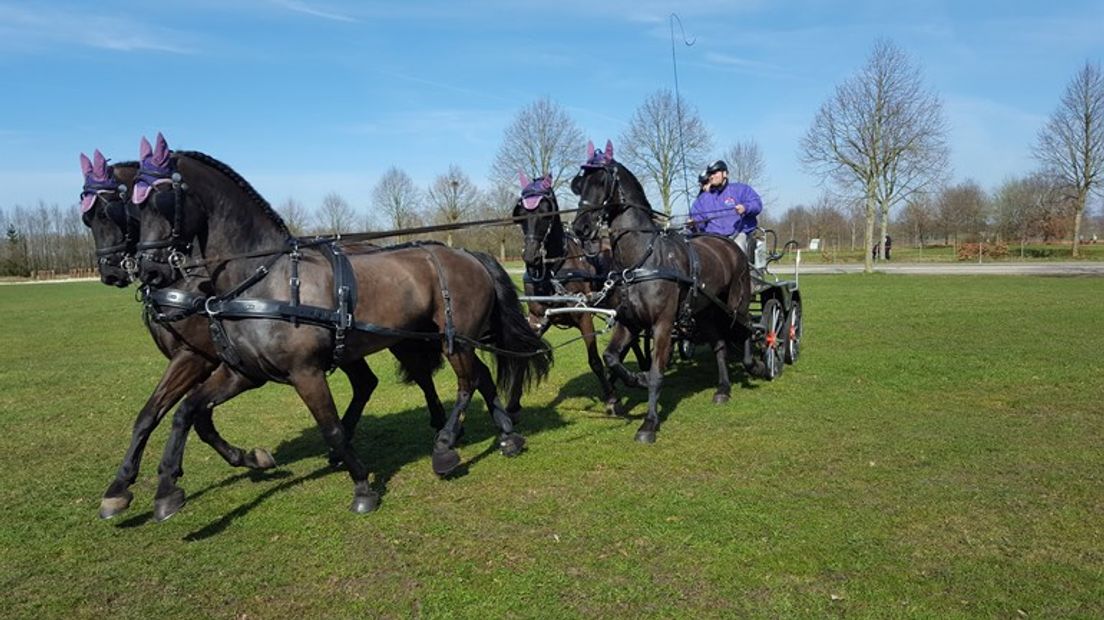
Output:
x,y
868,234
1077,224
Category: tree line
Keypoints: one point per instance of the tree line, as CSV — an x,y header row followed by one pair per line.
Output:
x,y
878,143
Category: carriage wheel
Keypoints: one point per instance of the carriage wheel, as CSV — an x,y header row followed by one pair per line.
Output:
x,y
773,322
793,332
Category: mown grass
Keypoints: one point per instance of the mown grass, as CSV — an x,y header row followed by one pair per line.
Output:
x,y
935,453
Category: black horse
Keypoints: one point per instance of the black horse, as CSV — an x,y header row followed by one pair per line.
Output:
x,y
700,286
556,265
181,333
286,311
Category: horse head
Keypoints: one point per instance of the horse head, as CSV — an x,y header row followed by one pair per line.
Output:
x,y
107,213
596,187
190,202
537,212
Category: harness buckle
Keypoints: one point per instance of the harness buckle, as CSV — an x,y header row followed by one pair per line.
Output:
x,y
176,259
211,307
628,275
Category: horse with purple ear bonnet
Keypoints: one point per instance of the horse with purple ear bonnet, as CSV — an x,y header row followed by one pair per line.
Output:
x,y
555,264
185,341
104,211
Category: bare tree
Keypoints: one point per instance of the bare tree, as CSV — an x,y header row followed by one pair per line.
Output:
x,y
335,215
880,136
918,218
1072,143
1024,205
397,199
746,165
666,140
452,196
295,216
543,138
962,210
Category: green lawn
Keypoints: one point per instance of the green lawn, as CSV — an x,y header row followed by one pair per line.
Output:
x,y
935,453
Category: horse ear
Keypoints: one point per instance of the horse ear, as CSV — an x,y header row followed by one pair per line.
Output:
x,y
523,179
546,181
144,149
609,150
99,165
86,165
161,150
590,149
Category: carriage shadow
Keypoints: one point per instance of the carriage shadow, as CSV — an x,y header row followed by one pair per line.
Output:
x,y
386,444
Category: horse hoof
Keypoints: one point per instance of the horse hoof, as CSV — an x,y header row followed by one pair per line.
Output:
x,y
613,408
363,504
260,459
165,507
111,506
720,398
445,462
512,444
645,436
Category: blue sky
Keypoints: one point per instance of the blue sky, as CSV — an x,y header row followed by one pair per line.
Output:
x,y
304,97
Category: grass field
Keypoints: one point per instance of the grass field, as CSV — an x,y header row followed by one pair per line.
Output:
x,y
935,453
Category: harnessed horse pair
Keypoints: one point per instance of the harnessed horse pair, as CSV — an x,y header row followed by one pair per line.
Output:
x,y
312,305
670,285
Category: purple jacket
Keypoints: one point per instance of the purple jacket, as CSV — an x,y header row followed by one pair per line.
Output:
x,y
714,211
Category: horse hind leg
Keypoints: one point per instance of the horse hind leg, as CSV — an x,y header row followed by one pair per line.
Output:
x,y
510,443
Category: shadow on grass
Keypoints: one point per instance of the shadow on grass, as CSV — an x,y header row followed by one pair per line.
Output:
x,y
683,378
386,444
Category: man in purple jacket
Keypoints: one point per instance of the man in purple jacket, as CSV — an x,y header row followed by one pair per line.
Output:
x,y
729,209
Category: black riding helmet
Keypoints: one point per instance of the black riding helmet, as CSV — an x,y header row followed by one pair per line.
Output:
x,y
717,166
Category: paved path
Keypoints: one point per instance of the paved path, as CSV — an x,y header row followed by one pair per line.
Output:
x,y
1095,268
1068,268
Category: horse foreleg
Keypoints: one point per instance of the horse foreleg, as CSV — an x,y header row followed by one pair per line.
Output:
x,y
609,396
222,385
312,388
724,385
661,354
185,370
620,339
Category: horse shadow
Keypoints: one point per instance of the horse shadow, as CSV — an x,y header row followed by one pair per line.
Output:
x,y
684,378
386,444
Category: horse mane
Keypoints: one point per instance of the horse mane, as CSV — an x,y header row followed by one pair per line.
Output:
x,y
253,194
631,185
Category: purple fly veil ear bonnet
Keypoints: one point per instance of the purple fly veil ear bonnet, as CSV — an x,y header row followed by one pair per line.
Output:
x,y
599,159
97,178
154,167
533,191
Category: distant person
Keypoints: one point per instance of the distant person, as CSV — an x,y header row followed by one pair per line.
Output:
x,y
724,208
874,251
888,246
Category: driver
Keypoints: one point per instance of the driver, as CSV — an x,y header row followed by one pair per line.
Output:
x,y
728,209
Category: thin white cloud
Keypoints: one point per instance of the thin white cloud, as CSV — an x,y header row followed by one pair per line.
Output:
x,y
44,27
302,7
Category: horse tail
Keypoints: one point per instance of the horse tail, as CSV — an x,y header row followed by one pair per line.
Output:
x,y
522,357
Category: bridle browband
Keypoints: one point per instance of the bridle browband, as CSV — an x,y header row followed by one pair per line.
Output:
x,y
117,211
179,248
